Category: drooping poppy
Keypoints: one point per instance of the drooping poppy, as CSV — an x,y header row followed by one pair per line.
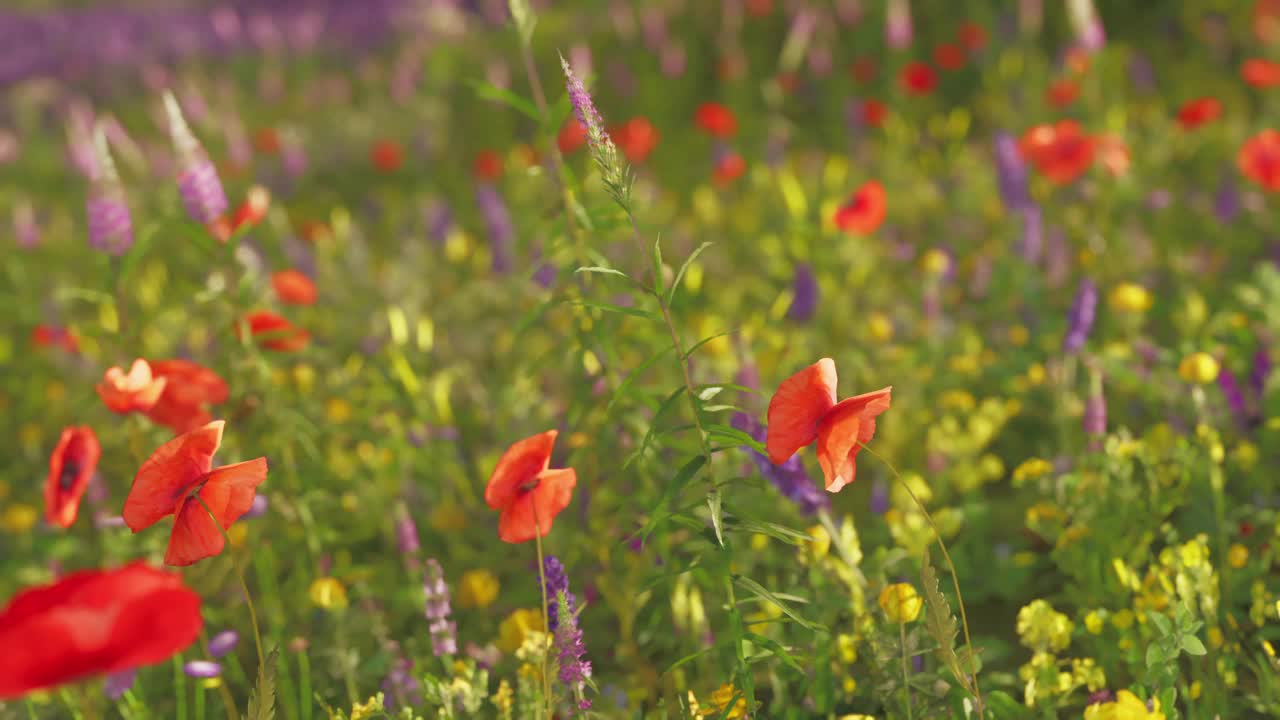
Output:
x,y
948,57
972,36
1061,152
71,467
716,120
804,409
294,288
1259,159
54,336
487,165
94,622
277,332
188,392
865,211
134,391
636,138
1063,92
528,492
874,112
386,155
573,135
1199,112
1261,73
917,78
168,482
729,167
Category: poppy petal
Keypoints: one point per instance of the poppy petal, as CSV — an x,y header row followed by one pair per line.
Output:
x,y
519,522
233,487
520,464
838,446
169,473
194,536
798,407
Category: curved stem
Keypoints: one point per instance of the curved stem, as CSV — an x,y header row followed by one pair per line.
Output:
x,y
546,621
955,581
244,587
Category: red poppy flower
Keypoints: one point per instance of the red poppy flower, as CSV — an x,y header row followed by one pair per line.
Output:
x,y
177,471
251,212
804,409
972,36
487,165
293,288
527,491
948,57
71,467
1077,60
874,113
135,391
267,141
573,135
1259,159
94,622
717,120
51,336
386,155
1198,112
865,211
1061,152
1261,73
1063,92
277,332
188,392
636,138
729,167
917,78
863,69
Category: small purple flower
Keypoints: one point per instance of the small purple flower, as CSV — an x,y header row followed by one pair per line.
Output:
x,y
223,643
498,223
117,684
110,225
1226,202
1088,25
1011,173
805,294
25,226
1261,371
1230,387
1095,411
198,182
879,497
258,508
1141,73
574,670
102,521
1032,233
406,533
557,582
897,28
400,687
1080,320
202,669
444,632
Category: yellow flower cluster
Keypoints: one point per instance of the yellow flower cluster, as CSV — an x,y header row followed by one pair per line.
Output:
x,y
901,603
1126,706
1042,628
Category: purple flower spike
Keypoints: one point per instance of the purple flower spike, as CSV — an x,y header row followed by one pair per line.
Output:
x,y
202,669
198,182
1011,173
790,478
574,670
1080,321
498,223
805,289
557,582
444,632
223,643
897,28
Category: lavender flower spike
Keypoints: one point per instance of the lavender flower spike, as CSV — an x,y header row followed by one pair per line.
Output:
x,y
498,222
198,182
1095,410
1011,173
897,27
1080,321
557,583
574,670
444,632
790,478
110,225
805,300
1087,24
617,178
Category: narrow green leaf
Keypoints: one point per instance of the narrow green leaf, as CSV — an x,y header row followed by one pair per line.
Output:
x,y
489,91
684,268
657,265
619,309
776,649
717,519
688,659
706,340
759,590
773,530
601,270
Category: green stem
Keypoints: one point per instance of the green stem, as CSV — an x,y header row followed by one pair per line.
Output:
x,y
304,671
906,673
180,687
228,702
244,587
199,702
546,617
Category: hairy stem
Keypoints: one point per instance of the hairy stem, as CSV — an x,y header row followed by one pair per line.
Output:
x,y
244,587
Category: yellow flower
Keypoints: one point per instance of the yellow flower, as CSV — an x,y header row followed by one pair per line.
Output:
x,y
1031,469
1246,455
477,589
1040,627
1130,298
1123,620
512,631
1237,556
847,645
720,700
338,410
900,602
1019,335
1199,368
328,593
849,685
880,327
503,699
1094,620
238,533
19,518
1194,691
1215,638
366,710
936,262
820,545
1126,706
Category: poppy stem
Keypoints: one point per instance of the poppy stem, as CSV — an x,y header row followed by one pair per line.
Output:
x,y
955,582
244,587
906,674
542,584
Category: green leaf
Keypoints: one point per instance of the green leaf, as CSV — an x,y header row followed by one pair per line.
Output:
x,y
760,591
620,309
262,699
717,519
135,254
1002,706
735,436
631,376
601,270
706,340
773,530
1155,655
1161,622
776,649
688,659
657,265
1191,645
941,623
489,91
683,268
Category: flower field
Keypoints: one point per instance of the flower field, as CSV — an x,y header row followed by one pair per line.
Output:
x,y
772,359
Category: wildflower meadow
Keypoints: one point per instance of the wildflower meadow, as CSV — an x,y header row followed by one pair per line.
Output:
x,y
644,359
